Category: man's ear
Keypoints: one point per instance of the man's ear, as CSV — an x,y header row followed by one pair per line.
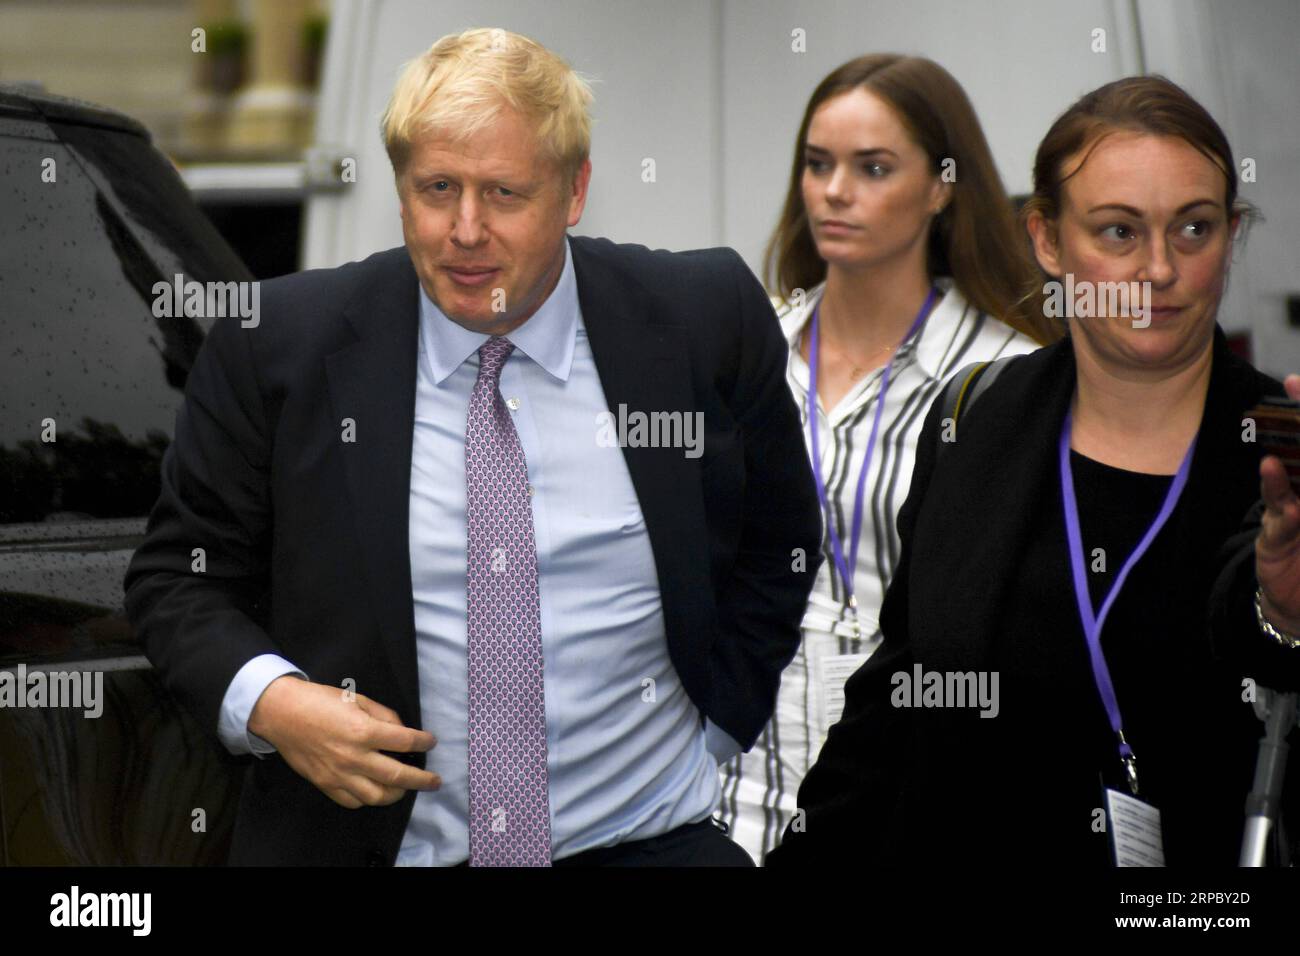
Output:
x,y
1043,233
577,196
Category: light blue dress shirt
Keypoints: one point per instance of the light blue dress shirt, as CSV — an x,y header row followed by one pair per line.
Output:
x,y
628,755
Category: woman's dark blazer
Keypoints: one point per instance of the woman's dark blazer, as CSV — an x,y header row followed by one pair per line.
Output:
x,y
907,786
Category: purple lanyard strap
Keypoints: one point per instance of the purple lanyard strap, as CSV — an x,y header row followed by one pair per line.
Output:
x,y
1092,624
847,568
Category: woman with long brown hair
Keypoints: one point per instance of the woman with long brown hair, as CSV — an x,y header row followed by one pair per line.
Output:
x,y
1046,690
898,263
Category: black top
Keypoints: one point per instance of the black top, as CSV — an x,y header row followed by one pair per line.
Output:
x,y
984,585
1172,704
1116,507
1179,711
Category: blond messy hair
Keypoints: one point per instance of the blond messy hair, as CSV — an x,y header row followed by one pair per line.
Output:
x,y
460,84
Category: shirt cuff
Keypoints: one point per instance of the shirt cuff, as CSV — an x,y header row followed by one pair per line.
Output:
x,y
242,696
719,743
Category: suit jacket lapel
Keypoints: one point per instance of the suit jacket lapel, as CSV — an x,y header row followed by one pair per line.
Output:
x,y
644,365
372,381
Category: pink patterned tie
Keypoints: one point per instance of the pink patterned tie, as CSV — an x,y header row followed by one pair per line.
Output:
x,y
509,808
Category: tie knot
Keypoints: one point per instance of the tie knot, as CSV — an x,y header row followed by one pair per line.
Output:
x,y
492,355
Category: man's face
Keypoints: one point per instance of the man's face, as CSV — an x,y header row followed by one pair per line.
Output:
x,y
484,222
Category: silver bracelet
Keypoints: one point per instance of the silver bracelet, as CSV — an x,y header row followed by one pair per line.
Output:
x,y
1286,640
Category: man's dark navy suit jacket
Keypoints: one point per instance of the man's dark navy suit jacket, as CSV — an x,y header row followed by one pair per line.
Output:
x,y
305,535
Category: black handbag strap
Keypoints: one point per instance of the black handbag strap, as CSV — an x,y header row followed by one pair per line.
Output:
x,y
964,388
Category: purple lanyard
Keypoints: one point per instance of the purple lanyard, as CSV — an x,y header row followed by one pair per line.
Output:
x,y
837,550
1092,625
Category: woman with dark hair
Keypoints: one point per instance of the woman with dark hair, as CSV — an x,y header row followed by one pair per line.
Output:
x,y
1046,690
897,259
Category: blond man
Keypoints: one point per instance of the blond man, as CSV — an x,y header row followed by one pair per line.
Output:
x,y
506,532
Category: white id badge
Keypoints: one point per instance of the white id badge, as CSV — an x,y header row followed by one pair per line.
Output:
x,y
835,672
1134,830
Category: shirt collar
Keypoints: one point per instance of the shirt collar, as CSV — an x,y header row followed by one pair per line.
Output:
x,y
928,348
547,337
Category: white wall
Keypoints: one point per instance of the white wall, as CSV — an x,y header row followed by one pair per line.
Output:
x,y
712,91
1242,62
1020,66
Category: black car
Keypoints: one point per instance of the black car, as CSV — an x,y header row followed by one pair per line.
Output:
x,y
92,371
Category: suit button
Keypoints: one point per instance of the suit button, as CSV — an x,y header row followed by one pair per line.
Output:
x,y
375,858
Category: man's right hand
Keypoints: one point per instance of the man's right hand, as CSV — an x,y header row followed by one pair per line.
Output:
x,y
334,739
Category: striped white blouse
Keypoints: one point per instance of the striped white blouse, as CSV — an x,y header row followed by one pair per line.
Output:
x,y
759,788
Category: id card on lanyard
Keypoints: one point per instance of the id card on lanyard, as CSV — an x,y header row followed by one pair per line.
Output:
x,y
848,566
1134,823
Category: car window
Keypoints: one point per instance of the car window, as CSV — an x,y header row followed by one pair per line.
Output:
x,y
92,378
